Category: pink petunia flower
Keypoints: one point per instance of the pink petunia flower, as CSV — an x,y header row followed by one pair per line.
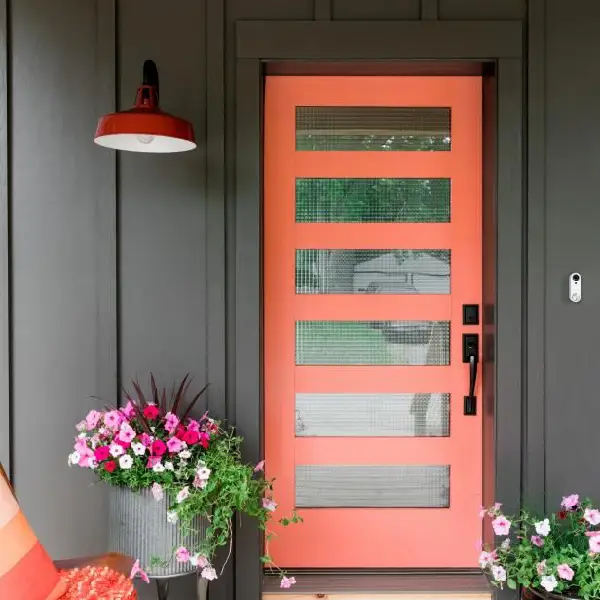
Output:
x,y
157,491
112,419
116,450
538,541
541,567
287,582
171,422
153,461
183,495
269,504
198,482
199,560
594,543
487,559
193,425
126,432
592,516
482,512
182,555
565,572
128,410
259,467
146,439
204,439
208,573
136,570
81,445
174,445
92,419
501,525
570,502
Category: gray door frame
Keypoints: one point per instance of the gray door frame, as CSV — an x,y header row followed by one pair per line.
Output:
x,y
496,44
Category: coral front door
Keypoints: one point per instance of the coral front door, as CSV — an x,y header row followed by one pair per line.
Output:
x,y
372,249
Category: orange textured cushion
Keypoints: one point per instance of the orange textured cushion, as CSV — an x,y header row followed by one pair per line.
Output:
x,y
26,570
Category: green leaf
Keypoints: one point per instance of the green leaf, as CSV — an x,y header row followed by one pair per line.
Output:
x,y
512,584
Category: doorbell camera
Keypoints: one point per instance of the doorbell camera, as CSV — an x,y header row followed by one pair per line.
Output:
x,y
575,287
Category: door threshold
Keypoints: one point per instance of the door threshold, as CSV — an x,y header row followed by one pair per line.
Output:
x,y
359,586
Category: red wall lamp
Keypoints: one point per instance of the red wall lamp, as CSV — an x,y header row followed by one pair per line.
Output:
x,y
145,127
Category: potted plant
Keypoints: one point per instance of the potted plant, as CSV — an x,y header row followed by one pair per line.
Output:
x,y
176,482
554,556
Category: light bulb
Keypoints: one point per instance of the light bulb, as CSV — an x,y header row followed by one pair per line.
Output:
x,y
145,139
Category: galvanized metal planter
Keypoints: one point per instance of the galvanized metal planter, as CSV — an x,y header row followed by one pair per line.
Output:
x,y
138,527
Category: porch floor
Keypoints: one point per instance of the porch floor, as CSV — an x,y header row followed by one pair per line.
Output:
x,y
423,586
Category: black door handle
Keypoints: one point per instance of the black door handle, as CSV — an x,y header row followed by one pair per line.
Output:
x,y
471,356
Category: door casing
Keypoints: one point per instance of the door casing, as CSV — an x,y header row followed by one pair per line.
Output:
x,y
495,48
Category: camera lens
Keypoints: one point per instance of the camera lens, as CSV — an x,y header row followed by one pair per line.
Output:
x,y
575,277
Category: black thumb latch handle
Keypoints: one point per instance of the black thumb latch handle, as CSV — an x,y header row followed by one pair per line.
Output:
x,y
471,399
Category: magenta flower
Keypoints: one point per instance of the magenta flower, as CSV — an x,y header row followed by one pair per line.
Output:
x,y
171,422
536,540
151,412
136,570
269,504
101,453
565,572
158,448
112,419
287,582
501,525
592,516
570,502
174,445
182,555
259,467
92,419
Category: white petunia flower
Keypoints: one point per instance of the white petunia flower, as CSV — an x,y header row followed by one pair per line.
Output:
x,y
126,462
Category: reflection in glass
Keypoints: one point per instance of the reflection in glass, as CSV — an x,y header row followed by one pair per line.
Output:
x,y
373,271
373,128
324,200
377,486
372,415
372,343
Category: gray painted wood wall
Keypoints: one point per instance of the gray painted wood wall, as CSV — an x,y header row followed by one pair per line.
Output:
x,y
115,267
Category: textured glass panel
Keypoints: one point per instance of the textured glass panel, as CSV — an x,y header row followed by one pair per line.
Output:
x,y
372,415
321,200
389,486
372,128
373,271
372,342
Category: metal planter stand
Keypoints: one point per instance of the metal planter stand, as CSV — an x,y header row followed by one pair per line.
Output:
x,y
138,527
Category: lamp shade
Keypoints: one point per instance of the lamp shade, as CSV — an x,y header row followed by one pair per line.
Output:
x,y
145,127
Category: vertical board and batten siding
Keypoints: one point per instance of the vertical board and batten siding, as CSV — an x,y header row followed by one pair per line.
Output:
x,y
125,266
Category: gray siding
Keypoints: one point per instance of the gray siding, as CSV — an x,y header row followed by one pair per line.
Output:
x,y
113,268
